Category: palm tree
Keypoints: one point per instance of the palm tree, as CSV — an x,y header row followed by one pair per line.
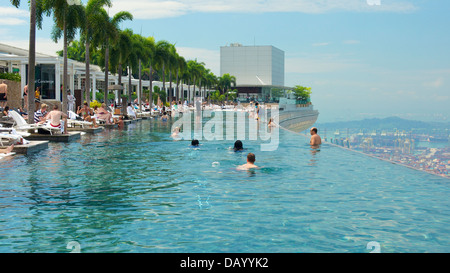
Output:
x,y
119,53
225,82
135,51
93,22
172,63
161,56
181,67
68,18
107,32
36,12
149,51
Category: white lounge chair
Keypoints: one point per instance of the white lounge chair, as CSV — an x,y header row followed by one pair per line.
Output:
x,y
73,122
22,125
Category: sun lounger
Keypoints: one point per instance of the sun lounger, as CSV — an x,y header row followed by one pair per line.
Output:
x,y
21,125
72,121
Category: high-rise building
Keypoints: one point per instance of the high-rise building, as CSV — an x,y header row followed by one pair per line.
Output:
x,y
259,70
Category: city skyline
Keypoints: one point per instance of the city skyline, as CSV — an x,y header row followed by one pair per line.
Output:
x,y
361,60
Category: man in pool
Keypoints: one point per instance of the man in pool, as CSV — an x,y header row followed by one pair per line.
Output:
x,y
195,143
250,163
315,138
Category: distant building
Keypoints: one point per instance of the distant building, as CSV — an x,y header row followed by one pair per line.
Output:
x,y
259,70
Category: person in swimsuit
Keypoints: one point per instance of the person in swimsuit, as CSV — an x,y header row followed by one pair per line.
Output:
x,y
7,150
103,114
3,94
164,117
238,146
250,162
86,113
315,138
55,116
25,97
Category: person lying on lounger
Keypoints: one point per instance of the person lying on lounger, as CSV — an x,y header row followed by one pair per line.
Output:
x,y
7,150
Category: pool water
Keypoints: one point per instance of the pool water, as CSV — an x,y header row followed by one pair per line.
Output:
x,y
138,190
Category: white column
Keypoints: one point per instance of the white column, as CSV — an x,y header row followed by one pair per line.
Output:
x,y
79,81
72,80
116,92
57,81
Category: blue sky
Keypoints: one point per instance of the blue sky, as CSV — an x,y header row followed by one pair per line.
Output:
x,y
361,60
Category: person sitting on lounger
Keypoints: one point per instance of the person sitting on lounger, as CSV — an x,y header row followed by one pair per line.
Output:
x,y
7,150
86,113
130,112
103,114
40,114
55,116
5,111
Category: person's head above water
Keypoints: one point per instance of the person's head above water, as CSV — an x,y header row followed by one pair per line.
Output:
x,y
251,158
238,146
195,142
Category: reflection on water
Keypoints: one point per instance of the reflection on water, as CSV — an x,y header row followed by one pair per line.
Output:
x,y
137,190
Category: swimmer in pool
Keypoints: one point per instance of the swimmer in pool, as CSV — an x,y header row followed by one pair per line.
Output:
x,y
175,133
238,146
164,117
250,163
315,138
195,143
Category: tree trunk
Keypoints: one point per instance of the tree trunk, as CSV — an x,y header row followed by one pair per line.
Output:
x,y
106,73
65,85
170,87
129,83
140,87
31,61
87,84
177,89
150,93
164,78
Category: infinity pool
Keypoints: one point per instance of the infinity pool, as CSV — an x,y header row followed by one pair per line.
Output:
x,y
138,190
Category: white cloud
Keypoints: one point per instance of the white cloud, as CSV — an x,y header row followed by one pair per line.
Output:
x,y
43,45
10,21
435,84
320,44
211,58
11,16
152,9
12,11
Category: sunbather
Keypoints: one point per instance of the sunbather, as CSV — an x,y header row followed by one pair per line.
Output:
x,y
86,113
7,150
103,114
55,116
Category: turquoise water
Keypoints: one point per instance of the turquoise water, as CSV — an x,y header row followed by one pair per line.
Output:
x,y
137,190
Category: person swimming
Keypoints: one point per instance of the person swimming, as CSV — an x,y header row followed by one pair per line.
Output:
x,y
195,143
238,146
250,163
164,117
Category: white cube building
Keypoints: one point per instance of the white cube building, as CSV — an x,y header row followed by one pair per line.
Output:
x,y
258,69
